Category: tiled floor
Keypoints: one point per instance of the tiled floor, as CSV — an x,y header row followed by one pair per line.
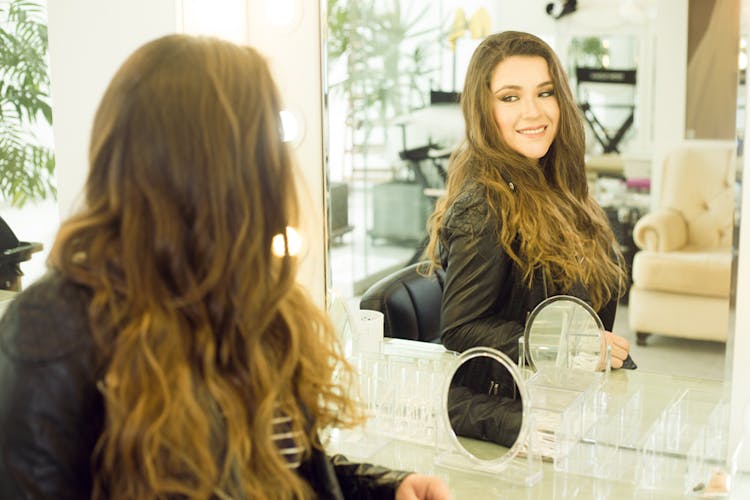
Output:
x,y
671,355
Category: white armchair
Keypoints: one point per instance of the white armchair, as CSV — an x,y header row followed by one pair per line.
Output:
x,y
681,275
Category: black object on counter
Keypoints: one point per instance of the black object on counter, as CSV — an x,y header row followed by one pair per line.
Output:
x,y
12,253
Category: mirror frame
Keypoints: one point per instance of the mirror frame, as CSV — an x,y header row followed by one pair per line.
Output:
x,y
543,305
523,434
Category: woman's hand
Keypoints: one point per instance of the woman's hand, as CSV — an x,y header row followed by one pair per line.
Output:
x,y
620,348
422,487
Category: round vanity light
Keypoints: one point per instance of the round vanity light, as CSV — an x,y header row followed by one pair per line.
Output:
x,y
292,126
284,14
201,17
293,243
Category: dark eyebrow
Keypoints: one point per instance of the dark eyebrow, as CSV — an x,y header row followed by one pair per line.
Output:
x,y
507,87
517,87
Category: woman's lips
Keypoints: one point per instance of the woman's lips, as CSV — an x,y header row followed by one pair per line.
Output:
x,y
532,131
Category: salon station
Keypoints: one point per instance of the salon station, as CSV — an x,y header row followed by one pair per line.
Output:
x,y
662,96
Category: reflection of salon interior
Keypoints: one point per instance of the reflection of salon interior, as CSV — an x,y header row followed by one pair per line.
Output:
x,y
391,119
632,92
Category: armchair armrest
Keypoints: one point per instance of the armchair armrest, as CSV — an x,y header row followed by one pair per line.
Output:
x,y
662,230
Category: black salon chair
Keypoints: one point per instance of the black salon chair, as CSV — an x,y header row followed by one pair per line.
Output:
x,y
410,303
12,253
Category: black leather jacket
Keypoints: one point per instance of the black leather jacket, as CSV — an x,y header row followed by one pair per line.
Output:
x,y
485,300
51,412
485,303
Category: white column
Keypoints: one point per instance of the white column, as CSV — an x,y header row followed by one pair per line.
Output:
x,y
670,68
288,33
738,347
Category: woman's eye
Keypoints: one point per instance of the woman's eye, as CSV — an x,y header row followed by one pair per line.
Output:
x,y
547,93
509,98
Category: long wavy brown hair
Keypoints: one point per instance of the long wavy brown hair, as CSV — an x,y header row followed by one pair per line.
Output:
x,y
205,336
560,227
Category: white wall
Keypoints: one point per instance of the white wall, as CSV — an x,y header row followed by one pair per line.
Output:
x,y
670,88
737,357
88,40
529,16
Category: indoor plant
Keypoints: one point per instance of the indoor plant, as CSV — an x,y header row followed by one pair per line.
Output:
x,y
384,53
26,164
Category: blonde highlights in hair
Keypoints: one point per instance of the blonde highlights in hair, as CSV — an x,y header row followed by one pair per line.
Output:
x,y
204,334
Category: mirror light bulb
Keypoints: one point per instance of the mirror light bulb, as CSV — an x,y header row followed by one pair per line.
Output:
x,y
293,242
226,19
290,126
282,13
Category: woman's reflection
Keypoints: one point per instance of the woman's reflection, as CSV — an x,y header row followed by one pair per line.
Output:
x,y
484,402
518,223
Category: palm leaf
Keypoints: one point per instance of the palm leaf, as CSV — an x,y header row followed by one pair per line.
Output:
x,y
26,165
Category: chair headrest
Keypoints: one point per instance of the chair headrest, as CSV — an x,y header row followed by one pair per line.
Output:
x,y
410,303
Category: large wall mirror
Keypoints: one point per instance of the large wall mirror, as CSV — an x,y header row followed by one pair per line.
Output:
x,y
639,70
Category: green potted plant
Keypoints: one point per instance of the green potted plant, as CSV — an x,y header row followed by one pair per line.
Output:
x,y
385,76
26,164
586,51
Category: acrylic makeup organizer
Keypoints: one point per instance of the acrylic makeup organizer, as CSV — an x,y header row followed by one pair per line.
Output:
x,y
657,439
563,403
400,388
657,436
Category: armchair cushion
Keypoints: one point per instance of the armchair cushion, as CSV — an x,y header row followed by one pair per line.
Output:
x,y
697,183
682,275
706,273
662,230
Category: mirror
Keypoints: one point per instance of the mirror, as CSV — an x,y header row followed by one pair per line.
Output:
x,y
564,331
373,186
486,408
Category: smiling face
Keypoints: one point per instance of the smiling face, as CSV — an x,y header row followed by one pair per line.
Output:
x,y
525,107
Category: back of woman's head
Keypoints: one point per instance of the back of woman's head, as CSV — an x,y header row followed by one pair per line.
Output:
x,y
204,336
187,162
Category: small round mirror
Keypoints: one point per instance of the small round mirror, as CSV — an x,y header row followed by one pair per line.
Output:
x,y
485,407
565,331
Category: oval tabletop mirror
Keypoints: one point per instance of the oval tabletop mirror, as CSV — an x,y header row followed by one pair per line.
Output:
x,y
564,331
485,413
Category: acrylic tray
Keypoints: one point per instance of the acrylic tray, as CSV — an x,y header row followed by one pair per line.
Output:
x,y
564,405
400,388
657,439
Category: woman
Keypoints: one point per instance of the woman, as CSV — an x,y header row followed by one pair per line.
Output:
x,y
169,353
517,224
